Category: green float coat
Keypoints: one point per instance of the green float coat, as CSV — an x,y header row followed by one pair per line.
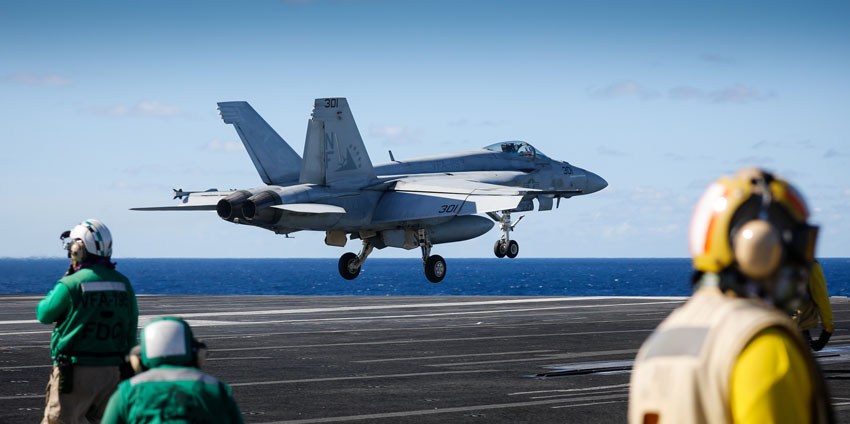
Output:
x,y
96,316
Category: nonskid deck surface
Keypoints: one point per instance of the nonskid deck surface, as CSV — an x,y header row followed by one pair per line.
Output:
x,y
318,359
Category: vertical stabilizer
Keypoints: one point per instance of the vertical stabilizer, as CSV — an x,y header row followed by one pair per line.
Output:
x,y
313,165
275,161
334,153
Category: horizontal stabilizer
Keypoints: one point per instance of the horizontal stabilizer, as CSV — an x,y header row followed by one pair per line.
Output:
x,y
192,201
275,161
176,208
311,208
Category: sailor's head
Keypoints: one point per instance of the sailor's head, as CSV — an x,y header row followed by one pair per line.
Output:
x,y
90,238
168,341
752,231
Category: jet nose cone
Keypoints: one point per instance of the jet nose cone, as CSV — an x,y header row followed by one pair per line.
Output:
x,y
594,183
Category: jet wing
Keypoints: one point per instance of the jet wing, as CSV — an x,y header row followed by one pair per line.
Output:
x,y
443,196
454,185
191,201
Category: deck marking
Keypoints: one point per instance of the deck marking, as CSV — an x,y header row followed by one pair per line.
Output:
x,y
240,358
556,356
22,397
451,410
589,404
13,298
25,366
358,377
495,325
582,389
212,323
25,332
569,395
407,341
661,300
414,358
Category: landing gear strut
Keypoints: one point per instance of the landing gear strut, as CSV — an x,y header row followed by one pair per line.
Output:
x,y
349,263
435,265
505,246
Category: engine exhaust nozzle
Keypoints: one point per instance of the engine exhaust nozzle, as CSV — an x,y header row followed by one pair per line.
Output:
x,y
258,207
230,207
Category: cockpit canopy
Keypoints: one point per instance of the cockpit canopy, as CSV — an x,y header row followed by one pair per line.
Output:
x,y
519,148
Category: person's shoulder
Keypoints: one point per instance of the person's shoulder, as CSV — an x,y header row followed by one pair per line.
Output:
x,y
108,273
123,388
119,276
209,378
80,276
774,342
214,381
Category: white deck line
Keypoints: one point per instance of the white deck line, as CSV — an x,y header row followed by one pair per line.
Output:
x,y
393,306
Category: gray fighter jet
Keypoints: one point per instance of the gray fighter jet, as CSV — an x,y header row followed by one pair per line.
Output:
x,y
403,203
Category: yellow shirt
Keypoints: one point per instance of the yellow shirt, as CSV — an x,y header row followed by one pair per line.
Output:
x,y
817,286
816,309
770,382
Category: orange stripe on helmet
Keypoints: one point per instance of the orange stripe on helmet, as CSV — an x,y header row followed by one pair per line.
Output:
x,y
797,202
713,220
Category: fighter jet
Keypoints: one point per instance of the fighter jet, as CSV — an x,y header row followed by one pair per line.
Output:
x,y
405,204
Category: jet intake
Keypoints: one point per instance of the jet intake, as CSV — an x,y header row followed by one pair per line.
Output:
x,y
230,207
460,228
258,208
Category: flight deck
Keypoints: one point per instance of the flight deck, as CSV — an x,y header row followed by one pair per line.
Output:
x,y
326,359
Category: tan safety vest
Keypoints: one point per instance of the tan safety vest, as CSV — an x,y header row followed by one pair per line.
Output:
x,y
682,372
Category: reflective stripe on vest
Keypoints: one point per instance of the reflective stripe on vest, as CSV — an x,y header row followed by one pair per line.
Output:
x,y
99,286
157,375
686,341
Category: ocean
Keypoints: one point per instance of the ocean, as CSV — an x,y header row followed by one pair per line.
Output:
x,y
393,277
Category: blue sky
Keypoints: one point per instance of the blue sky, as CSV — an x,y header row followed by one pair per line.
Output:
x,y
108,106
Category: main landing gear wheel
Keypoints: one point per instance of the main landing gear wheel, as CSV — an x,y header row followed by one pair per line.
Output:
x,y
435,268
499,249
348,266
513,249
435,265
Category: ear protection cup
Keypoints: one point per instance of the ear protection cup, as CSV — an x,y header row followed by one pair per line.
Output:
x,y
758,250
77,251
135,358
199,350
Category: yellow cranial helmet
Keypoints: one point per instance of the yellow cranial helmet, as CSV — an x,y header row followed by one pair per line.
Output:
x,y
753,222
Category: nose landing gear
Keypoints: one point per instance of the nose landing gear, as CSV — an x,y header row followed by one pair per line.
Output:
x,y
505,246
509,249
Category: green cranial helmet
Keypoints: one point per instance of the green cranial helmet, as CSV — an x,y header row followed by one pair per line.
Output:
x,y
169,341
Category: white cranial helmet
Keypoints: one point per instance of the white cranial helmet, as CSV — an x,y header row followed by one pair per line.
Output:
x,y
95,236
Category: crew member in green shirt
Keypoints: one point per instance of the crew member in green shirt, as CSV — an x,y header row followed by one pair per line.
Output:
x,y
96,315
169,387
